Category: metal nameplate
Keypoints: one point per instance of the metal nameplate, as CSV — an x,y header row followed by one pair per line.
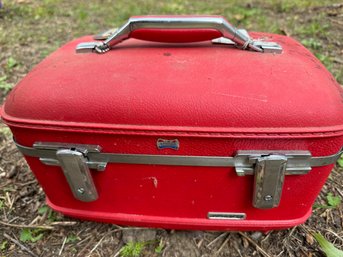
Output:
x,y
168,144
226,216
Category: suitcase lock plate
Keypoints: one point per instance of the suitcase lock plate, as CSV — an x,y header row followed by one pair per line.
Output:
x,y
269,170
75,165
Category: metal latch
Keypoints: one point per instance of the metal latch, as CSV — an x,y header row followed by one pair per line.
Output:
x,y
75,165
269,170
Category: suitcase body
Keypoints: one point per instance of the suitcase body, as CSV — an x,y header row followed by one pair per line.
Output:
x,y
182,136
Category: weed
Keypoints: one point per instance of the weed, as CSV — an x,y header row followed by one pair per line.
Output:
x,y
4,85
44,209
1,204
159,249
52,216
3,245
132,249
31,235
329,249
326,60
311,43
315,28
11,63
333,201
72,238
340,161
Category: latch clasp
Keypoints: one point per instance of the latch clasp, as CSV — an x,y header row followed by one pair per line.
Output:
x,y
269,169
76,167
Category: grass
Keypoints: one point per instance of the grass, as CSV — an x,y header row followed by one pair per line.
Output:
x,y
75,18
4,85
132,249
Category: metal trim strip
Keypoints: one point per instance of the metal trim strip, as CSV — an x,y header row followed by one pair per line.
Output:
x,y
175,160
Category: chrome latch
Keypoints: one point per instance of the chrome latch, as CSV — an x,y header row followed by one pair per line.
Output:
x,y
75,165
269,169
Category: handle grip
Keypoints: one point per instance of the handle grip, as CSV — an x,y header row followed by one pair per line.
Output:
x,y
175,29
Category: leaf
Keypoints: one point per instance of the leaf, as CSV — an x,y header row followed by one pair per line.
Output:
x,y
30,235
132,249
72,238
333,201
329,249
3,245
340,161
25,235
37,238
159,249
43,209
11,63
4,85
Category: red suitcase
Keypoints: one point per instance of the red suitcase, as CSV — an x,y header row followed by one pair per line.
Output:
x,y
239,135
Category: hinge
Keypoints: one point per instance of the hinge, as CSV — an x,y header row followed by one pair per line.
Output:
x,y
269,169
75,165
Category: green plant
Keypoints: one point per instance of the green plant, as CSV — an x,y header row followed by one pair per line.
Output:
x,y
311,43
5,86
340,161
132,249
160,246
3,245
333,201
72,238
52,216
159,249
31,235
11,63
329,249
1,204
44,209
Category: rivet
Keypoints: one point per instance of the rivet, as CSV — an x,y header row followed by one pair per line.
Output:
x,y
268,198
81,190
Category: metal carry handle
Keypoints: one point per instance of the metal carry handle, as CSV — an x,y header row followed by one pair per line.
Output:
x,y
176,25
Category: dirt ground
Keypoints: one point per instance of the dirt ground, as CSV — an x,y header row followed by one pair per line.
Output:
x,y
30,30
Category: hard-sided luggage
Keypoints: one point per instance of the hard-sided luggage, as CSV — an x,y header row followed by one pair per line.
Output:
x,y
239,132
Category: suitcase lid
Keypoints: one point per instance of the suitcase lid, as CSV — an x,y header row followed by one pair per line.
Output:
x,y
196,88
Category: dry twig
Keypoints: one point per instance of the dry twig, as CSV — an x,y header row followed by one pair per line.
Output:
x,y
263,252
223,245
216,239
62,247
97,244
46,227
